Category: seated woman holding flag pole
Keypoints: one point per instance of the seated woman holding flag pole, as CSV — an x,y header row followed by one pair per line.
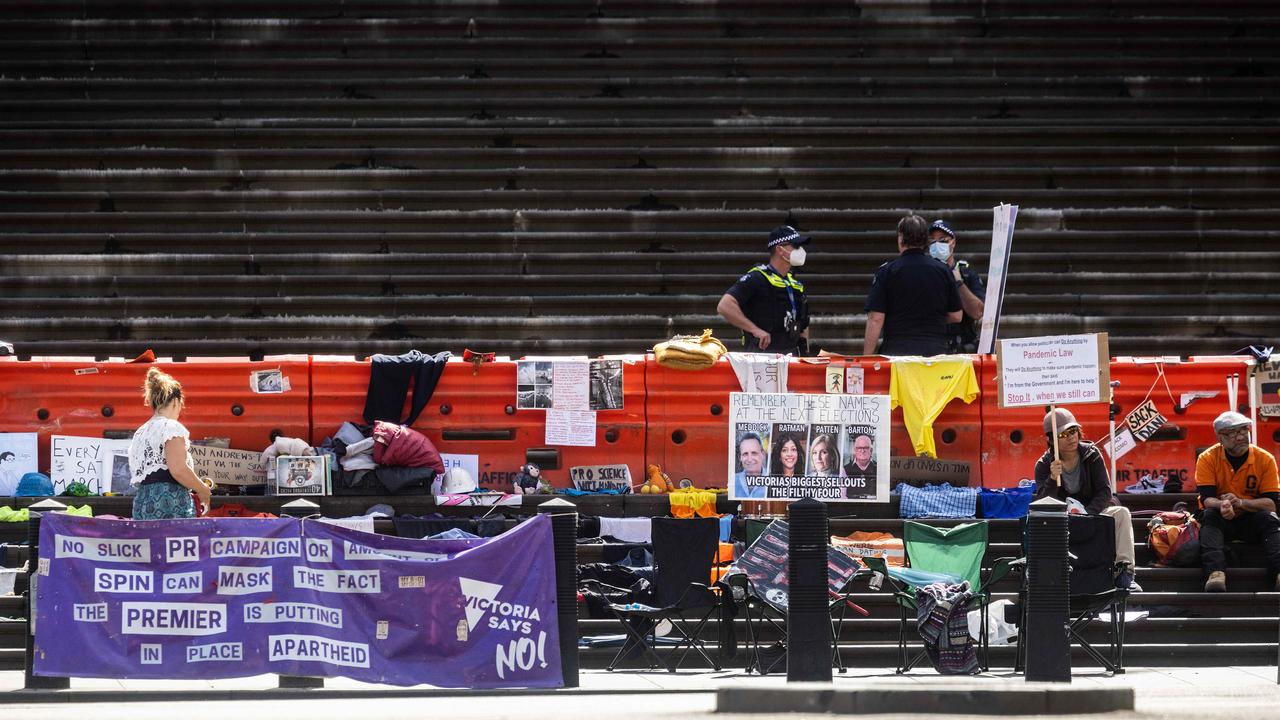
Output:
x,y
1072,470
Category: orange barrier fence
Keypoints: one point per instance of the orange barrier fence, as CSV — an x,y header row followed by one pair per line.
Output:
x,y
70,396
475,411
674,418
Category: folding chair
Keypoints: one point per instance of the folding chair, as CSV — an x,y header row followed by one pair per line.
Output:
x,y
754,580
940,554
1092,544
683,554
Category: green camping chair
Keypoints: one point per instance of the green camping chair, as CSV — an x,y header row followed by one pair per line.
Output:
x,y
937,554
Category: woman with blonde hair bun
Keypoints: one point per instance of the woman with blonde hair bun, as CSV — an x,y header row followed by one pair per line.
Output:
x,y
159,460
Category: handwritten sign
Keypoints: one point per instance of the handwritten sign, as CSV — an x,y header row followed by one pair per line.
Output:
x,y
83,460
571,427
1057,370
229,467
919,471
593,478
1144,421
1124,443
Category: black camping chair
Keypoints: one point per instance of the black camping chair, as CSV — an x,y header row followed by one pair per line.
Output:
x,y
683,554
1092,544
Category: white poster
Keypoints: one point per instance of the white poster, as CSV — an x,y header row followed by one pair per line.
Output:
x,y
1001,245
1058,370
1124,443
18,456
833,448
83,460
571,427
469,463
571,385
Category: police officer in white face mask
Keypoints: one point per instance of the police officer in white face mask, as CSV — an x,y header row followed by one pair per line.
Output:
x,y
962,336
768,303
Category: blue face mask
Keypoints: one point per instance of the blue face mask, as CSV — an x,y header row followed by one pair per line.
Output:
x,y
940,250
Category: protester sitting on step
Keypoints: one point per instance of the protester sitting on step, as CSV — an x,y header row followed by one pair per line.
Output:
x,y
1079,473
1239,492
159,457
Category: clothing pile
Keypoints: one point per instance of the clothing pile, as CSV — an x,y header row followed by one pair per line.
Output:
x,y
943,621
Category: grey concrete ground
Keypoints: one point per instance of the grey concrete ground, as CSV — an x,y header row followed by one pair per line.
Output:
x,y
1235,693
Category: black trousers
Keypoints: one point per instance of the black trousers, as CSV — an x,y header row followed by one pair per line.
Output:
x,y
1250,527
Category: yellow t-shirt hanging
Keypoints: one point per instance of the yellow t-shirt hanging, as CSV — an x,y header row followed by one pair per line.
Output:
x,y
922,388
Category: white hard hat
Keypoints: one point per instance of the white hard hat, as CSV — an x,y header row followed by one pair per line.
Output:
x,y
457,481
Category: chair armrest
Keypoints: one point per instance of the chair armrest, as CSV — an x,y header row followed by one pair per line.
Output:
x,y
999,570
601,587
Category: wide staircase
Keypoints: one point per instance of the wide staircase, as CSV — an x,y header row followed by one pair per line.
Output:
x,y
249,177
1186,627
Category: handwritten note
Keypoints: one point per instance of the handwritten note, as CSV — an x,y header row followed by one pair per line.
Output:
x,y
571,427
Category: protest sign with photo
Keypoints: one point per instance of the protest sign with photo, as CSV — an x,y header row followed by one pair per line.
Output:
x,y
788,446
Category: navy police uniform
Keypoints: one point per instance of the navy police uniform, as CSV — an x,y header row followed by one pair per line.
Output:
x,y
964,334
915,292
767,299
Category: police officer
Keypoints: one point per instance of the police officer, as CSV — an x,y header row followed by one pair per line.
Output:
x,y
768,304
962,336
912,298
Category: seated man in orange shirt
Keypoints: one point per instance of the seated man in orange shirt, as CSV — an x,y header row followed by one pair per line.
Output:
x,y
1239,491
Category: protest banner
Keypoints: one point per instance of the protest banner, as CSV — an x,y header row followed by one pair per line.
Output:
x,y
788,446
233,597
593,478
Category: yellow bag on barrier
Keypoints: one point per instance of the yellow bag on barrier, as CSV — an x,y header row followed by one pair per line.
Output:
x,y
690,352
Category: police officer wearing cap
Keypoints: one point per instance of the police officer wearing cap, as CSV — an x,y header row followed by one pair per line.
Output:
x,y
962,336
768,303
912,298
1239,492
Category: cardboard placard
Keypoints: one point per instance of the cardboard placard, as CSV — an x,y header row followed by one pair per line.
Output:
x,y
1053,370
83,459
1144,421
1266,384
592,478
302,475
917,471
229,467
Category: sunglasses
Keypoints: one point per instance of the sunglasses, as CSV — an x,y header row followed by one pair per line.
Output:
x,y
1068,433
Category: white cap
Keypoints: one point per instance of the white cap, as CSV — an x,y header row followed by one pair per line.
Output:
x,y
1228,420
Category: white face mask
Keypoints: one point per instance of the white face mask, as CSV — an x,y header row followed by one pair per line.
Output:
x,y
940,250
797,257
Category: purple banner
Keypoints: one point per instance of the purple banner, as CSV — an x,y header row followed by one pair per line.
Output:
x,y
236,597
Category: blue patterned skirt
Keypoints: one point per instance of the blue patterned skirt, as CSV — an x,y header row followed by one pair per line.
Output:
x,y
163,501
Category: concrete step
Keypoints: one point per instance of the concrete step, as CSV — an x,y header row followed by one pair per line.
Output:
x,y
733,107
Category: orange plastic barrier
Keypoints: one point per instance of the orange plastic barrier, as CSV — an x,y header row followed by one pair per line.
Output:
x,y
1013,438
689,425
69,396
474,411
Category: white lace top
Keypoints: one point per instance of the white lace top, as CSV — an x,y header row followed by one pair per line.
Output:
x,y
146,451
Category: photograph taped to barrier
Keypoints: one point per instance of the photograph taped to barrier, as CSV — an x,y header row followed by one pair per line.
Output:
x,y
121,474
533,384
19,455
268,382
302,475
774,436
1266,384
606,385
1053,370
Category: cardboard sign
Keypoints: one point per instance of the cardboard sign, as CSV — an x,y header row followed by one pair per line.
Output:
x,y
919,471
593,478
1266,389
1144,421
1055,370
229,467
84,460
